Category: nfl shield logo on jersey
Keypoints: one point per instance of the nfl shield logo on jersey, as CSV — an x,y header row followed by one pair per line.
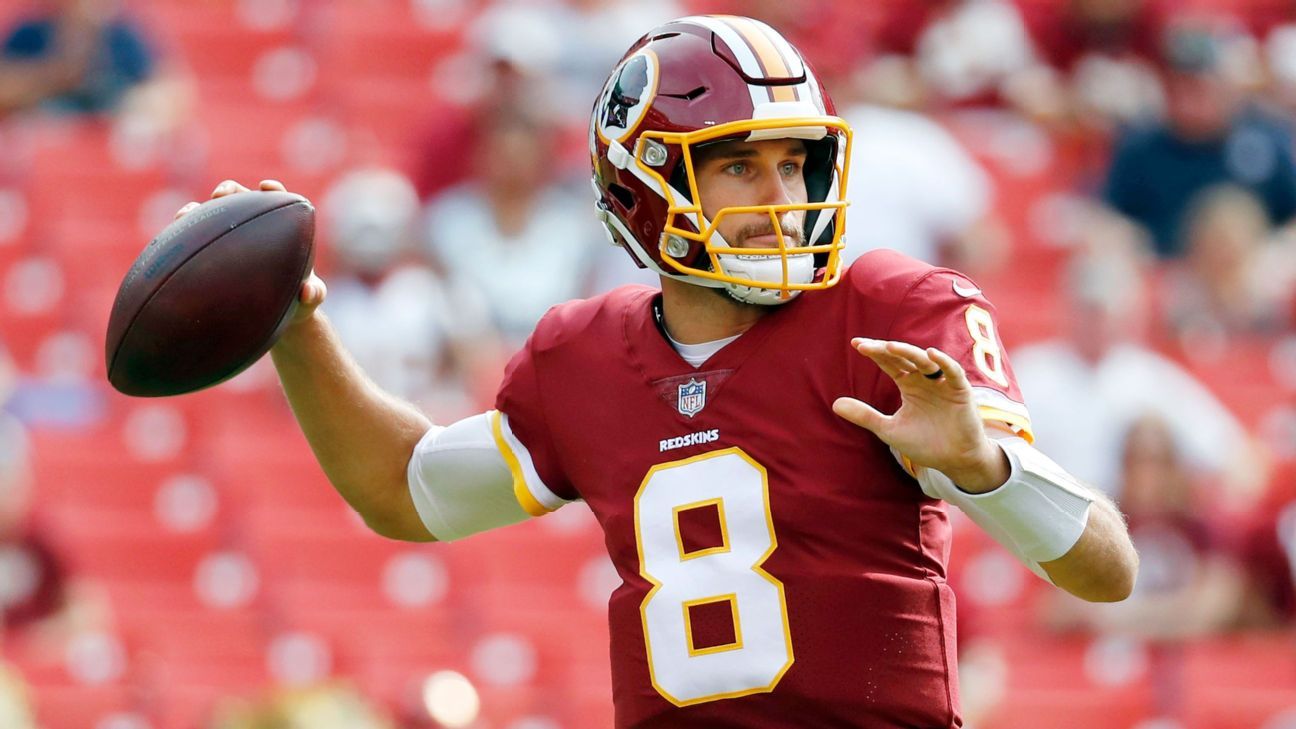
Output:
x,y
692,397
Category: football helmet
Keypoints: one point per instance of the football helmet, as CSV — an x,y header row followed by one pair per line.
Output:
x,y
702,80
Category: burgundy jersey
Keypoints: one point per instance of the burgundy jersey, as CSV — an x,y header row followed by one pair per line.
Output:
x,y
778,567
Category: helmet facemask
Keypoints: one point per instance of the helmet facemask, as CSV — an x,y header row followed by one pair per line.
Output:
x,y
771,274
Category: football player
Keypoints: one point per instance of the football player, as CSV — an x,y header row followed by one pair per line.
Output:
x,y
769,442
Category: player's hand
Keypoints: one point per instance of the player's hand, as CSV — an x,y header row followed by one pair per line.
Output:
x,y
313,289
937,425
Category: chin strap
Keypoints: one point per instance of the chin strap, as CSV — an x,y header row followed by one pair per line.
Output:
x,y
800,270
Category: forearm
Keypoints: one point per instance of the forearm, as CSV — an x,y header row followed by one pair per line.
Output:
x,y
1063,530
1101,567
362,437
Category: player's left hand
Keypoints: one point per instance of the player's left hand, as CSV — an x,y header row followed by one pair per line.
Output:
x,y
937,425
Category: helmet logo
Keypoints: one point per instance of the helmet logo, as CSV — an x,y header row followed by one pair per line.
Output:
x,y
627,96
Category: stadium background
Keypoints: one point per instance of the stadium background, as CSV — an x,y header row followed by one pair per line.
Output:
x,y
212,578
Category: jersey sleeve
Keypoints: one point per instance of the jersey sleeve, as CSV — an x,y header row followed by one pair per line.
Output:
x,y
459,481
524,439
948,311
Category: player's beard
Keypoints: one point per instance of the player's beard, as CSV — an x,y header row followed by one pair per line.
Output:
x,y
792,231
792,226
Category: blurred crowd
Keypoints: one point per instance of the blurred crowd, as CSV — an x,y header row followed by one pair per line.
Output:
x,y
1169,251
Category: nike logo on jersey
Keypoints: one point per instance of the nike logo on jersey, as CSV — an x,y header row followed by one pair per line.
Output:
x,y
699,438
966,292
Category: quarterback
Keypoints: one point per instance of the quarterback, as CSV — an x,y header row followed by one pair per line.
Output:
x,y
769,442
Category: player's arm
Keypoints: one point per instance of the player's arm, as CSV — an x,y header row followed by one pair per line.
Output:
x,y
389,462
361,436
1060,528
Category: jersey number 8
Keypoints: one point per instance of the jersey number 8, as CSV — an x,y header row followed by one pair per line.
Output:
x,y
760,651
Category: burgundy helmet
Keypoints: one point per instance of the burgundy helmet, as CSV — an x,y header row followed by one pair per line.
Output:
x,y
701,80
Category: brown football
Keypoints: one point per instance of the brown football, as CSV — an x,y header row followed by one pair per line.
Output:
x,y
210,294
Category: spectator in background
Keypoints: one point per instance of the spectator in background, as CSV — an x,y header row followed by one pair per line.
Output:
x,y
512,233
967,52
500,69
1210,136
592,35
1105,52
1280,60
40,607
396,315
548,56
1233,279
73,56
1268,549
1087,389
1189,586
919,192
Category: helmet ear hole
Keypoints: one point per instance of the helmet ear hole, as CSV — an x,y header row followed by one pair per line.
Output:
x,y
623,195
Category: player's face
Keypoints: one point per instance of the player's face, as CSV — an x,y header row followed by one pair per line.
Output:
x,y
768,172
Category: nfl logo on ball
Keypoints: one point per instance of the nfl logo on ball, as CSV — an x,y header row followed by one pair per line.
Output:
x,y
692,397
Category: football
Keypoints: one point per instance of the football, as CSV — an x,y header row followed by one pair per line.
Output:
x,y
210,294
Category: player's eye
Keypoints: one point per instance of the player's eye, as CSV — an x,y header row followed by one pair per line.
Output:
x,y
737,168
790,168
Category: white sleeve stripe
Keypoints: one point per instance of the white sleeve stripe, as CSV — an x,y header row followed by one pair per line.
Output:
x,y
530,477
991,397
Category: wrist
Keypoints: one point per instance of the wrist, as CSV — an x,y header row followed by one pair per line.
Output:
x,y
988,471
298,330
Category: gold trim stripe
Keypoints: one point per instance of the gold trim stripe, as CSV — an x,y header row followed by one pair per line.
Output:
x,y
1019,424
520,490
771,61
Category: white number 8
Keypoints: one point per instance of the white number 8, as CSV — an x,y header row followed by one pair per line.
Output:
x,y
761,650
986,351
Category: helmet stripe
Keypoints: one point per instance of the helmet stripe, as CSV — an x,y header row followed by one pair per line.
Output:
x,y
791,58
742,51
772,62
811,91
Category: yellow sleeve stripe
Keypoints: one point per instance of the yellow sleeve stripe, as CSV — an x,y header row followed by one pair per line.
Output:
x,y
520,490
1019,424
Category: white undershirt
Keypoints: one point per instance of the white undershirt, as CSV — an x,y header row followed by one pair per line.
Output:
x,y
696,354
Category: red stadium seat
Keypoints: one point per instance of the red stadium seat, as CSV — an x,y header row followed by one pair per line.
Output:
x,y
351,569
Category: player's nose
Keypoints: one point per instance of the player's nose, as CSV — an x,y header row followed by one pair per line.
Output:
x,y
775,188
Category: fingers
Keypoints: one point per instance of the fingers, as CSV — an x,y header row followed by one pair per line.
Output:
x,y
313,291
918,360
861,414
895,367
954,373
227,187
185,209
898,359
